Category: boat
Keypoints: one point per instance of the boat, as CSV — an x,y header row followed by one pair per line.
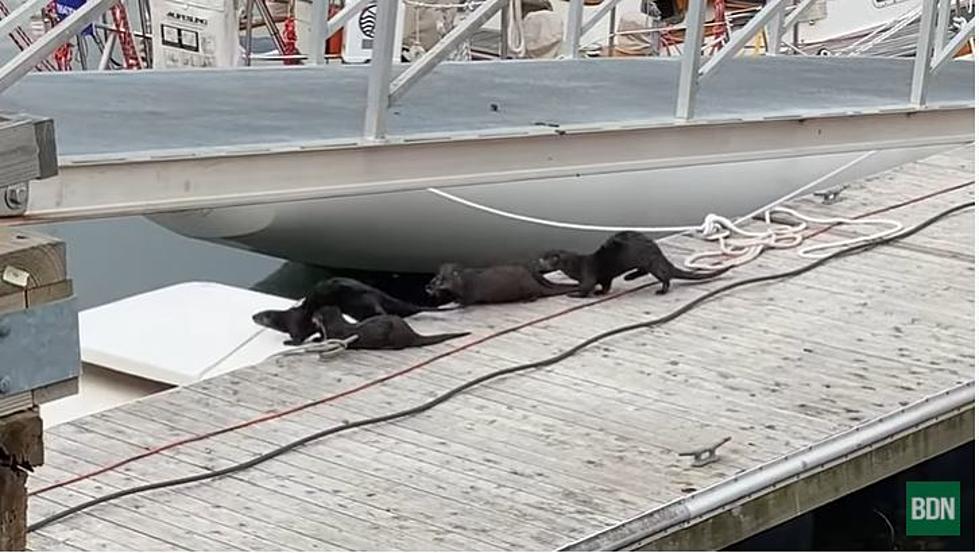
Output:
x,y
480,165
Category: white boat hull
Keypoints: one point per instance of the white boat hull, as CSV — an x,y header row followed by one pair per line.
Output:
x,y
416,230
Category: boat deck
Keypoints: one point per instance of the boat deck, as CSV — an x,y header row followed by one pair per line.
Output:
x,y
123,112
544,458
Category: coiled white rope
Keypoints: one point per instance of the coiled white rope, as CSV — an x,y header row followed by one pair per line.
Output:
x,y
734,252
326,348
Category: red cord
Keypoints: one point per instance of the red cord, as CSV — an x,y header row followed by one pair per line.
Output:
x,y
371,383
720,24
62,57
327,399
289,40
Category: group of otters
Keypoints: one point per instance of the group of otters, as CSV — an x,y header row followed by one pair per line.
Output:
x,y
379,316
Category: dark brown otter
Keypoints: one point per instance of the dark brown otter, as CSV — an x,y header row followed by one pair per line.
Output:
x,y
377,332
359,300
353,297
498,284
295,321
622,252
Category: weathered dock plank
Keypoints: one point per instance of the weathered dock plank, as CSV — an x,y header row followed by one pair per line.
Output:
x,y
540,459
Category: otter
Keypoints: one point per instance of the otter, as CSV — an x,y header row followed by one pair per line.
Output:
x,y
359,300
497,284
622,252
377,332
353,297
295,321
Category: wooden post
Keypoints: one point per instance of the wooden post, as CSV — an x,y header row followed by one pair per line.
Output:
x,y
21,447
41,261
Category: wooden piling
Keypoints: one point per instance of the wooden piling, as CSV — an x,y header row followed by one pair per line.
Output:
x,y
32,273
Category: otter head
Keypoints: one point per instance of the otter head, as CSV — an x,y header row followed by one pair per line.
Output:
x,y
447,282
295,322
553,260
272,318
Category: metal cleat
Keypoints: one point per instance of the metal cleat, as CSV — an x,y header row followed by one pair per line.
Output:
x,y
705,455
831,195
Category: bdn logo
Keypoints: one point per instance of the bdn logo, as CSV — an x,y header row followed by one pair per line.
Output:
x,y
933,509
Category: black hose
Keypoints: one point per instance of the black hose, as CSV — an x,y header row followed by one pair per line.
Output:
x,y
495,374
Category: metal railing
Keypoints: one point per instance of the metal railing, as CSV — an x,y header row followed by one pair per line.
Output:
x,y
932,54
774,18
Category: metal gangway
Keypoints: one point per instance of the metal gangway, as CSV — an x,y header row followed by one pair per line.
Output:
x,y
138,142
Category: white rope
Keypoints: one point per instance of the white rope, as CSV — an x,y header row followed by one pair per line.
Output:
x,y
547,223
882,32
238,348
734,252
326,348
602,228
516,42
721,229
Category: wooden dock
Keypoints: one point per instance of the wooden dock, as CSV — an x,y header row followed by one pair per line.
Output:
x,y
546,458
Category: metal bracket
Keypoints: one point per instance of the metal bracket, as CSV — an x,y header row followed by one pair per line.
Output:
x,y
30,153
705,455
39,346
14,199
831,195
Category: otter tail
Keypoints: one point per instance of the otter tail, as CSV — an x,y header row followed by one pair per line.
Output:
x,y
676,272
436,338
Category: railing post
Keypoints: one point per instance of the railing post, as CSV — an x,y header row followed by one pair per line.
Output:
x,y
923,53
505,32
249,31
315,50
690,64
607,7
952,47
40,49
443,48
572,32
742,36
774,30
941,29
611,30
382,55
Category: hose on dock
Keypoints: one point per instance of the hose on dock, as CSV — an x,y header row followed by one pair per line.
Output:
x,y
850,250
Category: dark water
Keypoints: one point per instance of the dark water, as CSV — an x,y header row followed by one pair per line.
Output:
x,y
115,258
873,518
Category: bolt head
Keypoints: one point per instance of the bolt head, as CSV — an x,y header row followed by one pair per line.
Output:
x,y
16,196
4,384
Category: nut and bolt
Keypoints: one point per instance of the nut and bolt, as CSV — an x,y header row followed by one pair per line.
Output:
x,y
16,197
